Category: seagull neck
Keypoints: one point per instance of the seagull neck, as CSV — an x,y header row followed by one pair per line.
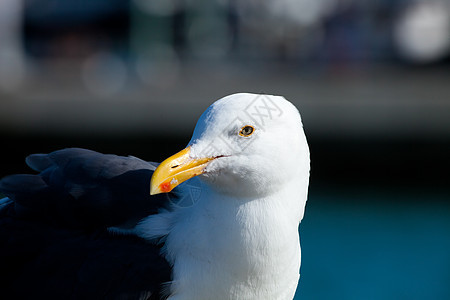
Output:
x,y
289,200
226,246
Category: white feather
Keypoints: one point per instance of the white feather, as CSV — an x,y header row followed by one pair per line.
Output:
x,y
240,240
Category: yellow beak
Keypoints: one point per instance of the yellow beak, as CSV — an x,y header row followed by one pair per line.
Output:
x,y
175,170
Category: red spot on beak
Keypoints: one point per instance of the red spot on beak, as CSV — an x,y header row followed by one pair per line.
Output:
x,y
165,187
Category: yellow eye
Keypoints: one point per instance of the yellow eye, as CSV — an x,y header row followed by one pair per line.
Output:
x,y
246,131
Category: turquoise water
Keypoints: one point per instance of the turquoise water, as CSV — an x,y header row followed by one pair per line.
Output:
x,y
371,244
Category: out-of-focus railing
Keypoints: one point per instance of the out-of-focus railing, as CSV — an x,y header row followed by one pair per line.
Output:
x,y
353,67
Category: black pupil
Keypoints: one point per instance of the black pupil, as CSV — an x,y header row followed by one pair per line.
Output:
x,y
247,130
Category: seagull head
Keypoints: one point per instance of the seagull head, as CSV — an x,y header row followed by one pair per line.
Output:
x,y
246,145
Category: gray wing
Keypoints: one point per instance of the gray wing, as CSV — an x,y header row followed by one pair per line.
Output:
x,y
53,237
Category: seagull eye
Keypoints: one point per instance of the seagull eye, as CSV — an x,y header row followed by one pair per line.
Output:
x,y
246,131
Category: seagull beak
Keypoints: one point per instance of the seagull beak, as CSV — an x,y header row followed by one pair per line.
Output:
x,y
175,170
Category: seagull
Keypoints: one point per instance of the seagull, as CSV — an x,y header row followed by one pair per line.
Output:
x,y
217,220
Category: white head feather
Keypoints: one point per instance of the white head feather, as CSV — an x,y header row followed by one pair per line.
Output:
x,y
240,240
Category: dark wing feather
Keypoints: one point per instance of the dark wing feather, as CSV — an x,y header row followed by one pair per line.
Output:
x,y
53,238
79,188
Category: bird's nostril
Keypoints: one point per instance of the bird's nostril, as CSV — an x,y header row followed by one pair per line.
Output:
x,y
174,166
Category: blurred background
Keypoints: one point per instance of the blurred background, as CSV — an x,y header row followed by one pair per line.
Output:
x,y
370,78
